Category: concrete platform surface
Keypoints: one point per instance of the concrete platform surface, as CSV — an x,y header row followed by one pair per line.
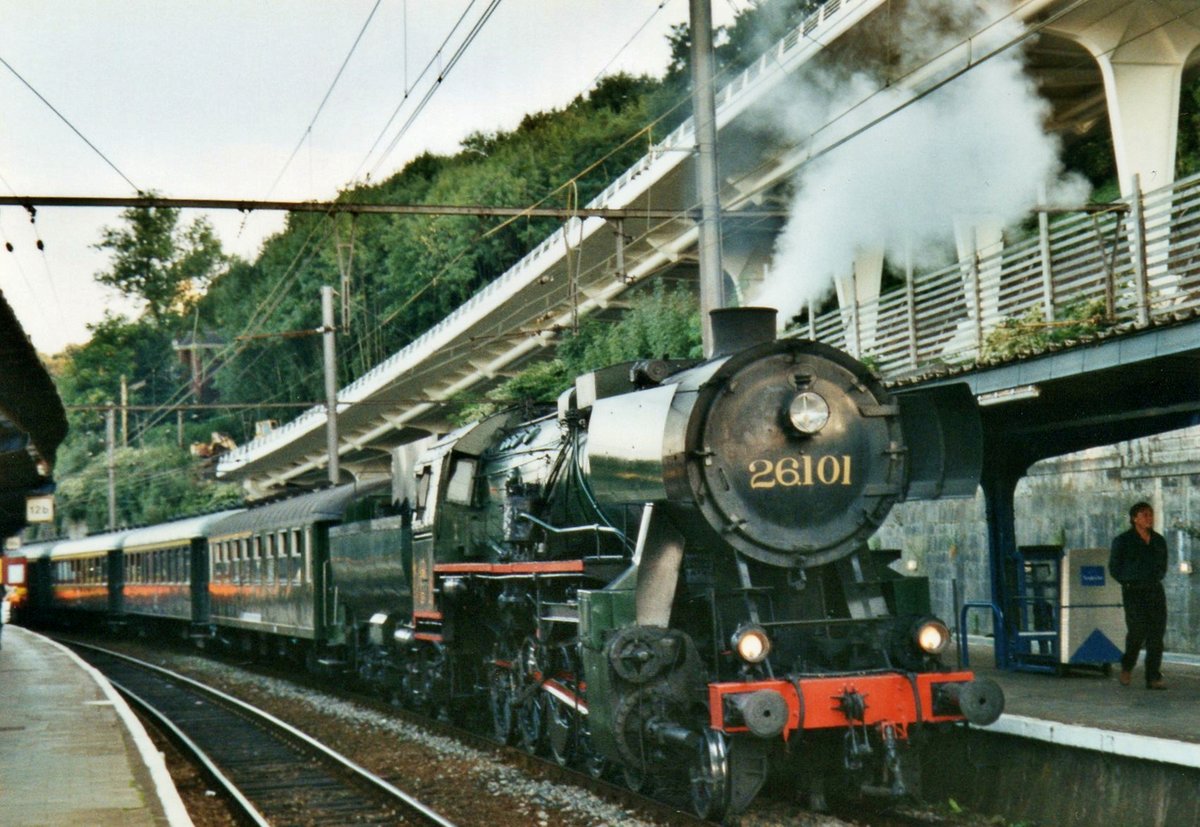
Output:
x,y
1085,708
71,750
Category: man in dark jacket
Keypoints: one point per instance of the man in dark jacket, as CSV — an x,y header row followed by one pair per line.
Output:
x,y
1139,562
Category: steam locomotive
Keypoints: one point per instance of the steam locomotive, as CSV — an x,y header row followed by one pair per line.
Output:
x,y
669,576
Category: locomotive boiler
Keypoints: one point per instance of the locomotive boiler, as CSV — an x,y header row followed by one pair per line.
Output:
x,y
670,576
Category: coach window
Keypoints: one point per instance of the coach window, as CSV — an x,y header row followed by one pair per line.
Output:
x,y
282,567
269,560
256,559
300,574
308,554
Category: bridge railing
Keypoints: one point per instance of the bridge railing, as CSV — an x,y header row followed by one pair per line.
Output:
x,y
1134,261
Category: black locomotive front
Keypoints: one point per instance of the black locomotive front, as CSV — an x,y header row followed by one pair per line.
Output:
x,y
670,574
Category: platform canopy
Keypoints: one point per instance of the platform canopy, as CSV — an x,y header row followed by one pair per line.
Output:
x,y
33,423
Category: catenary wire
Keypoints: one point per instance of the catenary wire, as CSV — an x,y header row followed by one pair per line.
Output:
x,y
328,92
976,63
408,90
67,121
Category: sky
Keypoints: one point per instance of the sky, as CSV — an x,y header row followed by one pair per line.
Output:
x,y
210,98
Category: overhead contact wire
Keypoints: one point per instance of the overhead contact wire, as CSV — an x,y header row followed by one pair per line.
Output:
x,y
72,126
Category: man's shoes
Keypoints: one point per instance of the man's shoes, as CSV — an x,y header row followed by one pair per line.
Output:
x,y
1158,684
1125,677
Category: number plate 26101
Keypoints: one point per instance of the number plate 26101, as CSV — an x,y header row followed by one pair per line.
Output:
x,y
801,471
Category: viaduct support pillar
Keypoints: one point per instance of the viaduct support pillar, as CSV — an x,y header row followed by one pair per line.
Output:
x,y
1142,49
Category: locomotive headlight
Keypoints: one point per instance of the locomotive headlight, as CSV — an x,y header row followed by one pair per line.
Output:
x,y
931,636
752,644
809,412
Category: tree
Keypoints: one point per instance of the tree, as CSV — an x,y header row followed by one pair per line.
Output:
x,y
157,261
663,323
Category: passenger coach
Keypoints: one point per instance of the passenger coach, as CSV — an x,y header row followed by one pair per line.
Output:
x,y
270,575
165,571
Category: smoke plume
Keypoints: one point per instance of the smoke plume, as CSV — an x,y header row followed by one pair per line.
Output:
x,y
971,151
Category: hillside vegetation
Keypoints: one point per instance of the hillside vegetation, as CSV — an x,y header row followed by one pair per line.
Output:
x,y
251,319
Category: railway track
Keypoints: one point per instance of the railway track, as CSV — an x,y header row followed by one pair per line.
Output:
x,y
273,773
766,812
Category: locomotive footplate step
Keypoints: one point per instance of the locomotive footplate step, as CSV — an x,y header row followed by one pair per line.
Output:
x,y
71,751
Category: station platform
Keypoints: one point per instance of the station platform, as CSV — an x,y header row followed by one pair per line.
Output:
x,y
1089,710
71,750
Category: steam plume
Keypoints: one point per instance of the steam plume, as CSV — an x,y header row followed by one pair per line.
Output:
x,y
973,150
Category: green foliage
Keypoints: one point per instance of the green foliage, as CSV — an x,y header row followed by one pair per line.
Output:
x,y
663,323
155,479
1031,333
157,261
541,383
153,485
1187,158
407,273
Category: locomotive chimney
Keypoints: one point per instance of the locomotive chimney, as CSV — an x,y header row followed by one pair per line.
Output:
x,y
737,328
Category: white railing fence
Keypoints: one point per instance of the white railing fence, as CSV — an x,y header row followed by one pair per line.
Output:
x,y
1134,261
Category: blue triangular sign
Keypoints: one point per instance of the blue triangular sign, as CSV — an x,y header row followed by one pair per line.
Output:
x,y
1096,649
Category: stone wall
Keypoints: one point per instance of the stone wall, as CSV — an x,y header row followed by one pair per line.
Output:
x,y
1080,500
